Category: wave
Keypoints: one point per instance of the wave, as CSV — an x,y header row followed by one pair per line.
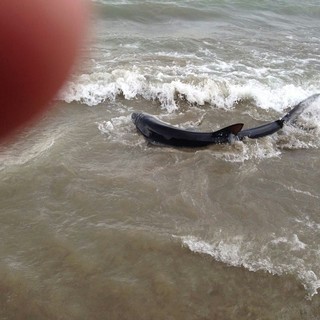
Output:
x,y
237,252
98,87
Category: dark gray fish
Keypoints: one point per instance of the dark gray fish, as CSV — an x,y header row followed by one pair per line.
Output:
x,y
156,131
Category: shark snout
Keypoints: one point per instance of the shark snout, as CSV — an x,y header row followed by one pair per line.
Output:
x,y
135,117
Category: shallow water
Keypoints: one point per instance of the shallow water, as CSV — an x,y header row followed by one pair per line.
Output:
x,y
98,224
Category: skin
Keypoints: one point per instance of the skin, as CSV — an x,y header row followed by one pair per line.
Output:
x,y
40,41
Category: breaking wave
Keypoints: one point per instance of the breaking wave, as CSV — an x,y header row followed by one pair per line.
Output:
x,y
96,88
239,253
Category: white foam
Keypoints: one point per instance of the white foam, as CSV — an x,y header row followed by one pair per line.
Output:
x,y
266,97
239,253
114,124
256,150
304,135
293,242
309,223
306,193
105,127
93,89
231,252
120,130
97,87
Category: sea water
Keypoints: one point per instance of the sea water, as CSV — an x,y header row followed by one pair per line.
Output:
x,y
95,223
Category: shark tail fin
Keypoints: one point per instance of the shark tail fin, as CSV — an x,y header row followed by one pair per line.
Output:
x,y
299,108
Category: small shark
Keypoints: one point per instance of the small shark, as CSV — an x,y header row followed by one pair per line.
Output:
x,y
159,132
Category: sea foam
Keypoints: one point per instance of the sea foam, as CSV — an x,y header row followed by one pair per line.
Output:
x,y
237,252
98,87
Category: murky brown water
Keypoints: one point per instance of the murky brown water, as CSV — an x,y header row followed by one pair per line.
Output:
x,y
97,224
100,225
